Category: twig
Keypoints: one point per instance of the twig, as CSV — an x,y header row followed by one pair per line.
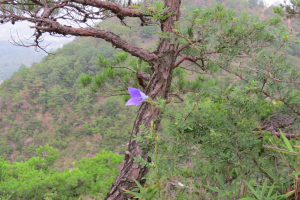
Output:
x,y
278,149
182,37
125,68
192,70
176,95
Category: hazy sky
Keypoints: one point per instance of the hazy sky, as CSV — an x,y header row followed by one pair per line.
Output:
x,y
21,31
270,2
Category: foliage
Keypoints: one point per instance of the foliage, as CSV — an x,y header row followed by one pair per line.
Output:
x,y
225,191
144,193
290,10
261,194
47,101
212,145
30,179
156,11
147,31
5,149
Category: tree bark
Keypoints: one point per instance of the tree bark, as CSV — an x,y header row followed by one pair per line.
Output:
x,y
158,86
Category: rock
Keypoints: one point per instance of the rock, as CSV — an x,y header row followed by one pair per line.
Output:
x,y
97,137
28,141
90,155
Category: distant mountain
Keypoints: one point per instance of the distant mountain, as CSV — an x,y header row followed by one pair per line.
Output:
x,y
12,57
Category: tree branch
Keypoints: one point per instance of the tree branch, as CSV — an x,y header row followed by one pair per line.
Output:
x,y
192,70
192,59
124,68
141,76
278,149
184,58
117,41
280,121
176,95
113,7
187,45
46,21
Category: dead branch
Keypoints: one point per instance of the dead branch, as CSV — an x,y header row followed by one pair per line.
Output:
x,y
278,121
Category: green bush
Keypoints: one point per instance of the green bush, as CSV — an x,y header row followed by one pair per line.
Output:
x,y
35,179
65,129
5,149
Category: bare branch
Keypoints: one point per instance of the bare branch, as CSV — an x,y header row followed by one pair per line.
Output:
x,y
38,40
287,135
113,7
176,95
117,41
277,121
191,59
278,149
143,75
46,16
198,72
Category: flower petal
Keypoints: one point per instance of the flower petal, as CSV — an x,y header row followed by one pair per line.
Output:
x,y
134,93
143,96
133,101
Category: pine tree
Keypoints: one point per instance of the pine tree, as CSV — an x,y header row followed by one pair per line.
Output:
x,y
37,84
208,39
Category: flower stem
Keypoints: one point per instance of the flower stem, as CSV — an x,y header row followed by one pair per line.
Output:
x,y
155,147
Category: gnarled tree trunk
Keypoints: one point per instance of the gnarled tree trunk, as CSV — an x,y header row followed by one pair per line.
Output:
x,y
158,86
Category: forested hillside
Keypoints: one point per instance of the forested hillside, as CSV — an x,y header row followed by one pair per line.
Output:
x,y
48,106
47,103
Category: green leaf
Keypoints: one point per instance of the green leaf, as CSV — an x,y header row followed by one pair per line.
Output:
x,y
270,191
264,187
252,190
295,173
273,176
235,183
221,182
215,189
286,195
179,196
287,143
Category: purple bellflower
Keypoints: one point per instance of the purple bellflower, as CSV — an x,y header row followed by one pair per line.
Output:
x,y
137,97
